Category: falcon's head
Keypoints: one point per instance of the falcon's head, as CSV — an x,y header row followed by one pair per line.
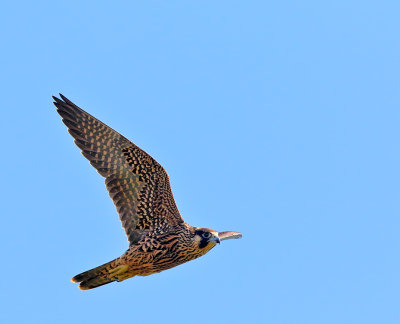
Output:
x,y
206,237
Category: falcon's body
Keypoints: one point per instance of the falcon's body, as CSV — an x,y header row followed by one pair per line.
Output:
x,y
158,237
154,253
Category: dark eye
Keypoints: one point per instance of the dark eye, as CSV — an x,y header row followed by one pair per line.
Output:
x,y
206,235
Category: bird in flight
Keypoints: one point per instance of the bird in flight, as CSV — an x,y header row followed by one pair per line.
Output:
x,y
159,238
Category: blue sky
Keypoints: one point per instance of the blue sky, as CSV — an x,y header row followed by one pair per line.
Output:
x,y
277,119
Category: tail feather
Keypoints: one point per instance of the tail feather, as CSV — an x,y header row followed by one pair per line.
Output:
x,y
93,278
94,283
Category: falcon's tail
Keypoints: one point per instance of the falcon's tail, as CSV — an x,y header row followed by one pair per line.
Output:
x,y
99,276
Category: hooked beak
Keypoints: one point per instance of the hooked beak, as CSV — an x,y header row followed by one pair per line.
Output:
x,y
216,239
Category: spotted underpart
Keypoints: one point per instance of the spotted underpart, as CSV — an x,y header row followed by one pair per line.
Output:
x,y
158,237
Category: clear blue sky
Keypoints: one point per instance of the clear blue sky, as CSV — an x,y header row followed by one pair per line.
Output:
x,y
279,119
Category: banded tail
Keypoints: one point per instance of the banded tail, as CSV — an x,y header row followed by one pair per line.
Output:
x,y
99,276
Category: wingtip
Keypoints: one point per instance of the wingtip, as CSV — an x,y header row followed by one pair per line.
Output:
x,y
57,101
66,100
63,98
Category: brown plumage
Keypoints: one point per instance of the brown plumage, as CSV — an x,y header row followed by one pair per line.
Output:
x,y
159,239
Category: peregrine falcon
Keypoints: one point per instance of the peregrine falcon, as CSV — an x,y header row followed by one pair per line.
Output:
x,y
159,238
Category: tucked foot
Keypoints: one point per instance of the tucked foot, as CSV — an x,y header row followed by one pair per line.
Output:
x,y
118,273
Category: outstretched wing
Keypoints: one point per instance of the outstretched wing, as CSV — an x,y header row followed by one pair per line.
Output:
x,y
137,184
